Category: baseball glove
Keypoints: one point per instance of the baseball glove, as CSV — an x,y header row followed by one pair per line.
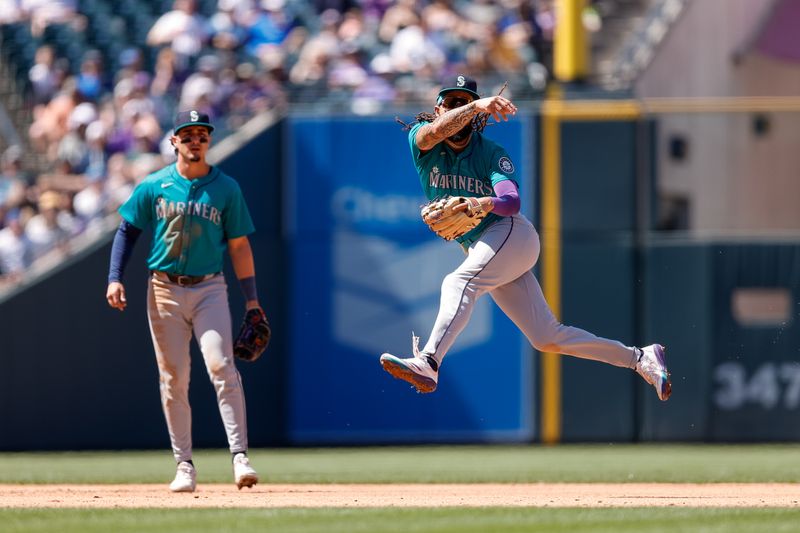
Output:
x,y
452,216
253,336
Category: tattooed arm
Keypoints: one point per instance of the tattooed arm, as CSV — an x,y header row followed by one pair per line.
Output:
x,y
444,126
449,123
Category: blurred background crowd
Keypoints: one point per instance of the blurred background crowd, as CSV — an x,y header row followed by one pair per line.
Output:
x,y
102,79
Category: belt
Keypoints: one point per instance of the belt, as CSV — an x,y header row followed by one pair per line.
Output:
x,y
183,281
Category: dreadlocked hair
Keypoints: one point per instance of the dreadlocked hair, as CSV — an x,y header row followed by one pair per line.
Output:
x,y
479,121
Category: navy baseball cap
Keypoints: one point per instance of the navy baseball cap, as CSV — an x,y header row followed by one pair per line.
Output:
x,y
184,119
460,83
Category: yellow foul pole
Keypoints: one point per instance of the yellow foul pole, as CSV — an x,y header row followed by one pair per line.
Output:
x,y
570,42
551,269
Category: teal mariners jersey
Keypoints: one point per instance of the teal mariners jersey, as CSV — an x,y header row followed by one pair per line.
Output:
x,y
192,219
473,172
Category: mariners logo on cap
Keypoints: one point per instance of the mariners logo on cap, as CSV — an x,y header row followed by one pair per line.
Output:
x,y
461,83
192,117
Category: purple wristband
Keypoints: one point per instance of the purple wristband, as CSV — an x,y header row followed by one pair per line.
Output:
x,y
248,286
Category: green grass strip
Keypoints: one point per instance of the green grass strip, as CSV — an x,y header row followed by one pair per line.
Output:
x,y
606,463
445,520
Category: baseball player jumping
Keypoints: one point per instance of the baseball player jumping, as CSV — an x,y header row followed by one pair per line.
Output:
x,y
196,212
453,157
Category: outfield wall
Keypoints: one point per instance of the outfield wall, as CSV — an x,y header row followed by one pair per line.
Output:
x,y
346,271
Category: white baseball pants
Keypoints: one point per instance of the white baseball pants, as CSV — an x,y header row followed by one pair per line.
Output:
x,y
500,263
175,313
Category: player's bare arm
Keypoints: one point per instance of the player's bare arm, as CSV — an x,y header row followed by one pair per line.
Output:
x,y
243,264
444,126
450,122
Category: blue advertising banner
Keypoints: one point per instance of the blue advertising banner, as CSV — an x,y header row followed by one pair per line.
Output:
x,y
365,274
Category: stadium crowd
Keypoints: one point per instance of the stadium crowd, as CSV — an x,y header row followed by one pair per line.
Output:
x,y
103,125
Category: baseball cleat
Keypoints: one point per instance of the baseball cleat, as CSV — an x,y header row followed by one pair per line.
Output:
x,y
185,478
243,473
415,370
652,366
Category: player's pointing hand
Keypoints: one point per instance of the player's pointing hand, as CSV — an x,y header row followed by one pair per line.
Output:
x,y
497,106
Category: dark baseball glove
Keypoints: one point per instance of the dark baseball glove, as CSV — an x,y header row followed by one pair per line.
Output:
x,y
253,336
452,216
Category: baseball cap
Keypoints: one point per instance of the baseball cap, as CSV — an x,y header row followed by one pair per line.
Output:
x,y
461,83
184,119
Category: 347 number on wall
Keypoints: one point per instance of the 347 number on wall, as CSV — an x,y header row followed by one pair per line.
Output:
x,y
771,385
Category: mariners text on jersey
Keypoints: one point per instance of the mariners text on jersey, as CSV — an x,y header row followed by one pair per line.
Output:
x,y
193,220
169,210
453,181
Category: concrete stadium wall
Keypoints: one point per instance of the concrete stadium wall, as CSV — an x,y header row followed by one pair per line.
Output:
x,y
739,170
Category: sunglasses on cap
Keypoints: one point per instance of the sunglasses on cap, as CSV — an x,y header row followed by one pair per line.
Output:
x,y
452,102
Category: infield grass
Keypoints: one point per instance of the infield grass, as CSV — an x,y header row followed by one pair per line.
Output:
x,y
444,520
609,463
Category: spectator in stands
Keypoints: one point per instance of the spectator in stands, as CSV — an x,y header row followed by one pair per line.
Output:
x,y
15,248
309,73
353,33
73,148
200,90
51,228
167,77
401,15
50,120
507,47
269,23
90,83
249,57
45,12
46,75
120,181
146,134
412,50
346,71
96,144
374,10
227,25
12,179
90,203
377,90
546,18
11,11
132,65
186,30
118,126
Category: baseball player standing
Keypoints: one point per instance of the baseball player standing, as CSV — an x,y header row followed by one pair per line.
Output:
x,y
196,212
454,158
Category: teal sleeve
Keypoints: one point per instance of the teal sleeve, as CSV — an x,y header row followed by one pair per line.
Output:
x,y
412,140
501,167
416,153
237,217
138,209
412,137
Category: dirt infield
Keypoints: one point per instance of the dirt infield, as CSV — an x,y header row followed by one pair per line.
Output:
x,y
461,495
